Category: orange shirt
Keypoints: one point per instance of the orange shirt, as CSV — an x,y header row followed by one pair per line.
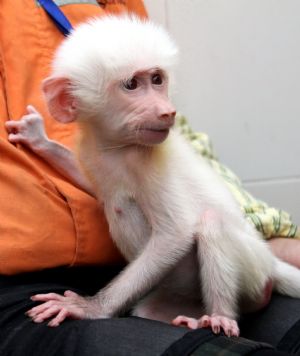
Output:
x,y
45,221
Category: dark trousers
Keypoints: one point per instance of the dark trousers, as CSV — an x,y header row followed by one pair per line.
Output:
x,y
126,336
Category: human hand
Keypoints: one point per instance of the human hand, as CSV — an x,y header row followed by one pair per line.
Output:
x,y
287,249
29,130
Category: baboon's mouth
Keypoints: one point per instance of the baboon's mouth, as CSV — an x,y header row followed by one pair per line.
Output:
x,y
154,135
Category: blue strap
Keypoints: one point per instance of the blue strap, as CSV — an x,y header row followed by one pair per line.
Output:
x,y
57,16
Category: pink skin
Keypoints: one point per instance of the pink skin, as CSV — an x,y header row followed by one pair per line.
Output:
x,y
218,322
148,113
148,123
59,307
71,305
215,322
143,101
29,130
267,295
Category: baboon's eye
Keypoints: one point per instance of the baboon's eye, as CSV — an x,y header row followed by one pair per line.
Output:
x,y
157,79
130,84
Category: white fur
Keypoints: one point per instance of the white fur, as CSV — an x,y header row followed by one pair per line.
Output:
x,y
105,49
169,213
176,196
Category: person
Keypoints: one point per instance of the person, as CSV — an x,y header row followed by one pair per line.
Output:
x,y
54,235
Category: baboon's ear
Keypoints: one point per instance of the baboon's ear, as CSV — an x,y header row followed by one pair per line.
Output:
x,y
61,103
